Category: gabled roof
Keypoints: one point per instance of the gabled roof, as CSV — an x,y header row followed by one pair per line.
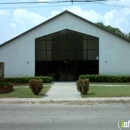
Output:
x,y
64,12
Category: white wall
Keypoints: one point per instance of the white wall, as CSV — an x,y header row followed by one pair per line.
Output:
x,y
113,52
18,57
114,56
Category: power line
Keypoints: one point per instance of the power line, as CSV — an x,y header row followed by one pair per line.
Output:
x,y
42,6
119,6
57,2
65,1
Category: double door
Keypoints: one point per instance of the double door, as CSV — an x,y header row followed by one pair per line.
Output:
x,y
67,70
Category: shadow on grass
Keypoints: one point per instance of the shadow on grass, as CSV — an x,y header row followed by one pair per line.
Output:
x,y
90,93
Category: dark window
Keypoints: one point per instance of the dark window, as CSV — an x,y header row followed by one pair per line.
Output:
x,y
66,52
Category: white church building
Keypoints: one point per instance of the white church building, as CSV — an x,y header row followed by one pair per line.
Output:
x,y
66,46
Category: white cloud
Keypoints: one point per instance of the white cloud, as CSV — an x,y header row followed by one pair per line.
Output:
x,y
13,25
110,16
24,17
119,19
116,18
4,13
54,13
90,15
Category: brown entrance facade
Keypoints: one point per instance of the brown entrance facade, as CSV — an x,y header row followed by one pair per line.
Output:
x,y
66,54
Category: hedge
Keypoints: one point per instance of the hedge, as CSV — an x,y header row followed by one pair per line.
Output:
x,y
46,79
105,78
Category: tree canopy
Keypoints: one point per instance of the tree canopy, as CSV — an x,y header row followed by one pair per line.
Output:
x,y
114,30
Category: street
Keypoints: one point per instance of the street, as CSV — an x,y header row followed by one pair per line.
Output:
x,y
63,116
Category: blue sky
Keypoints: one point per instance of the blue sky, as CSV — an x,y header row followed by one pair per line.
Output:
x,y
16,19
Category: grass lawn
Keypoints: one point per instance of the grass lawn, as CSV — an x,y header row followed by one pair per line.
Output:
x,y
112,91
20,91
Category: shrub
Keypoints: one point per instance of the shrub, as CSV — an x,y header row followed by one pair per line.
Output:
x,y
36,85
46,79
83,86
5,84
105,78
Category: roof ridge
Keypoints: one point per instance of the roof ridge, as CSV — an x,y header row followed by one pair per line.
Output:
x,y
58,15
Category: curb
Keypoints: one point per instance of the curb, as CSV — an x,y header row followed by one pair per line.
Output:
x,y
68,101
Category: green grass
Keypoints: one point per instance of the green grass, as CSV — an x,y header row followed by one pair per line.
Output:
x,y
103,91
21,92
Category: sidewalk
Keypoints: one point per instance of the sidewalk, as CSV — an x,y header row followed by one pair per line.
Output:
x,y
63,92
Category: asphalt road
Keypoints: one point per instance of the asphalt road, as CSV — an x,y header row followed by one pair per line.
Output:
x,y
62,116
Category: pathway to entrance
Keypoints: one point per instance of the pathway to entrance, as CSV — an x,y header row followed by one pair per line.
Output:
x,y
63,91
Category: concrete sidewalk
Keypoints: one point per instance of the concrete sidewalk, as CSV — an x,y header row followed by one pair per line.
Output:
x,y
62,91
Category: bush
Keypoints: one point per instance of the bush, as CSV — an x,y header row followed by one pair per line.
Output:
x,y
83,86
16,80
105,78
36,85
5,84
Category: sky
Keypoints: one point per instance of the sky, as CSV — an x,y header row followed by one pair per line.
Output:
x,y
18,18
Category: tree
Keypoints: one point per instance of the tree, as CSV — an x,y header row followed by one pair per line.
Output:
x,y
114,30
100,24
